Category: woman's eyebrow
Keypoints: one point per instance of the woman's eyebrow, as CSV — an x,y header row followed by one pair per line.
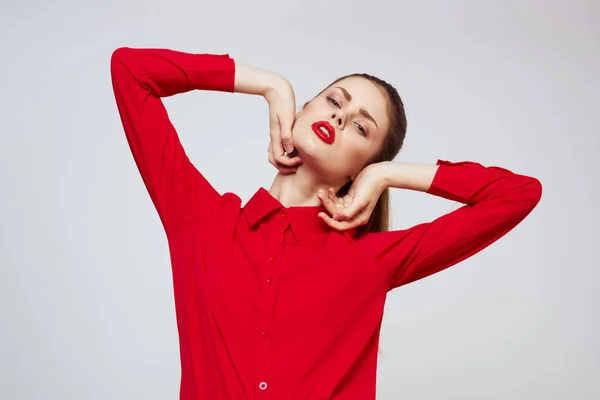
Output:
x,y
362,111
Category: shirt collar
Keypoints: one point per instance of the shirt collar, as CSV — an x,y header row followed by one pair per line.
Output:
x,y
304,220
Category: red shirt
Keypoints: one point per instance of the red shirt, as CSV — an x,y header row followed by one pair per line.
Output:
x,y
270,302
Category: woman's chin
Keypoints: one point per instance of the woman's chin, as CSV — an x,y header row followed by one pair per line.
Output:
x,y
307,155
310,148
315,164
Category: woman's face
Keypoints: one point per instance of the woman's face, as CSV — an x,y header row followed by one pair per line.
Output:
x,y
340,130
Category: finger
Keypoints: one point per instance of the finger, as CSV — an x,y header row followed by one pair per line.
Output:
x,y
285,126
339,212
289,161
276,142
350,211
275,131
281,134
352,206
282,168
285,159
338,201
285,170
286,139
338,225
348,199
329,203
281,137
282,159
360,219
332,196
271,158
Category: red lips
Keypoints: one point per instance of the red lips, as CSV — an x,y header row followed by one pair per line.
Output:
x,y
328,137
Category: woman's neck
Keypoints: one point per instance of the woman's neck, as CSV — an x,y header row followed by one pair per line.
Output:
x,y
298,189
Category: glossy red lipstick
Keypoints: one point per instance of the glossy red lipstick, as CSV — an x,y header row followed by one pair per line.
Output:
x,y
324,131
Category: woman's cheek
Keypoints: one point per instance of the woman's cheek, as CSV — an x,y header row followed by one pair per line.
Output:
x,y
358,158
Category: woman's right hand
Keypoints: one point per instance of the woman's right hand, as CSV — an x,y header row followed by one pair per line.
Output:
x,y
282,113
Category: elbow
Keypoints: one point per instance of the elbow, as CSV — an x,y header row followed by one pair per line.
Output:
x,y
535,191
120,52
530,194
117,58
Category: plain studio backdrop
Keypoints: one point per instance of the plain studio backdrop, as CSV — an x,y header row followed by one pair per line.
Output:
x,y
86,302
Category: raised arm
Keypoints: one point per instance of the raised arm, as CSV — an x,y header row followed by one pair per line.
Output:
x,y
495,201
140,78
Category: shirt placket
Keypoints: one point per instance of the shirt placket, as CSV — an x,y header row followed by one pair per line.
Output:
x,y
270,282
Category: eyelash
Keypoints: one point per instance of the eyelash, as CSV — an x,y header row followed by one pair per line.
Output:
x,y
361,128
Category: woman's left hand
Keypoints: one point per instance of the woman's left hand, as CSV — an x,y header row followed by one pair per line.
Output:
x,y
355,208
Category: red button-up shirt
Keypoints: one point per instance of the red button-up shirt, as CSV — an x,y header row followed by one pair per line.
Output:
x,y
270,302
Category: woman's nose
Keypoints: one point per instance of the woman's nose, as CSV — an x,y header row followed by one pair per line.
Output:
x,y
338,119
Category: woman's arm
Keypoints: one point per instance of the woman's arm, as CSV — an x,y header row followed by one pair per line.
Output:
x,y
410,176
495,201
251,80
140,78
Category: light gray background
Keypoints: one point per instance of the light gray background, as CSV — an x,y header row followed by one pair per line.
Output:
x,y
86,305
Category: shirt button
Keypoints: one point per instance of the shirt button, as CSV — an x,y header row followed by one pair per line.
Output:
x,y
272,259
269,280
264,334
283,215
262,386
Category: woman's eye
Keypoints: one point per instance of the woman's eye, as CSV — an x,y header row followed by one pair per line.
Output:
x,y
334,102
361,129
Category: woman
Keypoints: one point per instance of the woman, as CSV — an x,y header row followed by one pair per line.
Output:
x,y
283,298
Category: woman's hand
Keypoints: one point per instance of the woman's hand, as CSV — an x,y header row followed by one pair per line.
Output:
x,y
282,113
355,208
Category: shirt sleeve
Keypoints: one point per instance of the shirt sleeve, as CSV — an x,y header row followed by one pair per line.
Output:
x,y
495,201
140,78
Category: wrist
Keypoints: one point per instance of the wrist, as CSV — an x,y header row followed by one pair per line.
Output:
x,y
402,175
251,80
275,84
384,174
